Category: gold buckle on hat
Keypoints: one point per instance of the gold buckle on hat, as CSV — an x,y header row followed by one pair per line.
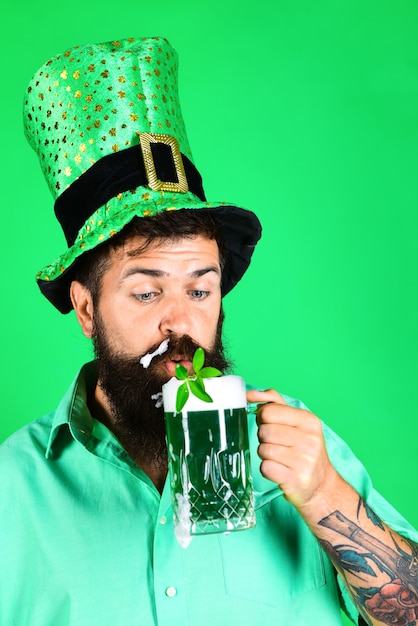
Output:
x,y
146,140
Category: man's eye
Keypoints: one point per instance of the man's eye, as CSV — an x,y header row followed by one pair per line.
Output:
x,y
145,297
199,294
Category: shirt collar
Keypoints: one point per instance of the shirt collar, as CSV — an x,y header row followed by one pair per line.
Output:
x,y
73,419
73,410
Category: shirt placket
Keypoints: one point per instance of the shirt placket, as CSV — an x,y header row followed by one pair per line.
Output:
x,y
169,582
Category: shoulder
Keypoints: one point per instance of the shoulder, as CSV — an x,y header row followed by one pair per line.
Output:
x,y
22,447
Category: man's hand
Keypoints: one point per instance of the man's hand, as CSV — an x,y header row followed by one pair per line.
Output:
x,y
292,448
293,455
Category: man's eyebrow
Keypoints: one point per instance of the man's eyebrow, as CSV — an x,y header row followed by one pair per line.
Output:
x,y
161,274
144,270
205,270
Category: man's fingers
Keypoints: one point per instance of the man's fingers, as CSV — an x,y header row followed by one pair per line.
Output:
x,y
272,409
269,395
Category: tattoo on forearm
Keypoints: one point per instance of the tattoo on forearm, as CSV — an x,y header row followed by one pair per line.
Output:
x,y
395,601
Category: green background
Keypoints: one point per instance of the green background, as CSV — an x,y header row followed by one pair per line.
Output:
x,y
305,112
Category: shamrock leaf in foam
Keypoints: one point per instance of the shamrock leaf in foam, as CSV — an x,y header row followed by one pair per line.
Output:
x,y
194,383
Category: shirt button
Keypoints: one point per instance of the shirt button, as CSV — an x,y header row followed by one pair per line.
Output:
x,y
163,520
171,592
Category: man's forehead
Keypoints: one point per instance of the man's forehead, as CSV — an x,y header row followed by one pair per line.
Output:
x,y
138,246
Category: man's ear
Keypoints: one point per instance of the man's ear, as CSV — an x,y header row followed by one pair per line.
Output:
x,y
83,307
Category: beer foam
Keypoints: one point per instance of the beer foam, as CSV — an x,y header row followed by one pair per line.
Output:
x,y
227,392
147,358
183,525
158,397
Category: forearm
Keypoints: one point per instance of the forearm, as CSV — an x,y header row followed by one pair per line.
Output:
x,y
379,568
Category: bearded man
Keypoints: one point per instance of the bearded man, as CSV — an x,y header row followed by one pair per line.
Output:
x,y
85,511
159,278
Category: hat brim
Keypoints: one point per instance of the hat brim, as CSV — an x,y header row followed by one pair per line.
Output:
x,y
240,230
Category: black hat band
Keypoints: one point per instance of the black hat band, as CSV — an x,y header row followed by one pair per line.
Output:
x,y
116,173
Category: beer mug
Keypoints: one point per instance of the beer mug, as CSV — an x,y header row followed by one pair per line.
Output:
x,y
209,459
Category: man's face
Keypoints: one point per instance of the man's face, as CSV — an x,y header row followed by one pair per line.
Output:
x,y
169,291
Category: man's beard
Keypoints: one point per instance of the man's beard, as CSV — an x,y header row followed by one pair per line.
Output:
x,y
137,415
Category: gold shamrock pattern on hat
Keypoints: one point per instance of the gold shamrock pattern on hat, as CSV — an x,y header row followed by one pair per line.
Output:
x,y
87,113
94,100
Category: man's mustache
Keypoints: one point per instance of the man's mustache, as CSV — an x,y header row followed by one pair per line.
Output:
x,y
179,348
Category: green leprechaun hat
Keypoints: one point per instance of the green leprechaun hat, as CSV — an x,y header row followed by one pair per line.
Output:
x,y
106,123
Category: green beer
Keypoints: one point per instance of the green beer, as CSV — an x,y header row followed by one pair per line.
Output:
x,y
209,461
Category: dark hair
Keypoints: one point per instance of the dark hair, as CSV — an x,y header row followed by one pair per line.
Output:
x,y
168,225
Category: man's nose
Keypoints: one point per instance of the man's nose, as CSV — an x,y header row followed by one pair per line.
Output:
x,y
176,317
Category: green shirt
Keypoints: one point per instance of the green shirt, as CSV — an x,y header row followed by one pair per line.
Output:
x,y
86,538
